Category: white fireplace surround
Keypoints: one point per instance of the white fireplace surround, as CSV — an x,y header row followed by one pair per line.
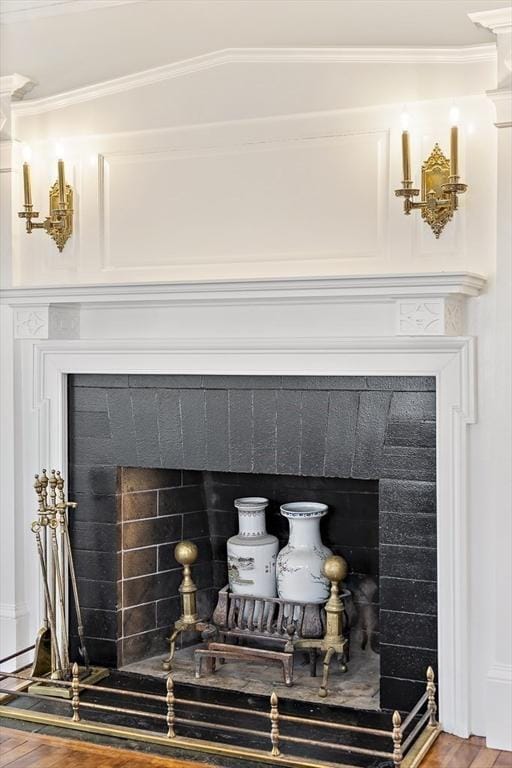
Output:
x,y
401,325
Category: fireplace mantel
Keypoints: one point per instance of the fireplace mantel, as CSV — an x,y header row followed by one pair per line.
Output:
x,y
398,325
428,304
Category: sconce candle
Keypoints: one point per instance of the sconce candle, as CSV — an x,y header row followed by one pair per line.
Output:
x,y
406,156
454,151
62,185
26,185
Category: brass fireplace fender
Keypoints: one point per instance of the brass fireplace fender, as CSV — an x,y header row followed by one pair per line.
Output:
x,y
406,753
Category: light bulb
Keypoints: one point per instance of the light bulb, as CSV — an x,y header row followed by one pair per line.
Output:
x,y
59,150
405,120
27,153
454,116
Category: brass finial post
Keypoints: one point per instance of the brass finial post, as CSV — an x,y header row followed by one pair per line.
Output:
x,y
169,684
431,694
185,553
333,642
397,739
274,725
75,687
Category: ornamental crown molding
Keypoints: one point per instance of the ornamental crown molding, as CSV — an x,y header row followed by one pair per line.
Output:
x,y
15,86
502,100
31,10
431,55
498,20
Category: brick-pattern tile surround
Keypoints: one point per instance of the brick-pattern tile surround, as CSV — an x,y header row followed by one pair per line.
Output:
x,y
366,428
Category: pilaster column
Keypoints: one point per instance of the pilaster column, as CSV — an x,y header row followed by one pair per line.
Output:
x,y
499,678
13,609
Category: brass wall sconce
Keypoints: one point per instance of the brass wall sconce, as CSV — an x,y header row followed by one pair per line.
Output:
x,y
59,224
440,185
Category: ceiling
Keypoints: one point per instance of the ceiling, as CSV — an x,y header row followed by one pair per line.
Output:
x,y
66,44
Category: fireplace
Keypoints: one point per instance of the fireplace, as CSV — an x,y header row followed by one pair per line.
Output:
x,y
157,458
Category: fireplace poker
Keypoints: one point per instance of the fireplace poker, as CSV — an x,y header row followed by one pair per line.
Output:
x,y
36,528
62,507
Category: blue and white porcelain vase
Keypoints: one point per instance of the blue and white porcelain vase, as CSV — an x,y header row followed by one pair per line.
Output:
x,y
252,552
299,563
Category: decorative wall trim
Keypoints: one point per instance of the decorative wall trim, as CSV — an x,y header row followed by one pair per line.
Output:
x,y
433,55
452,360
496,20
47,322
223,292
31,11
443,317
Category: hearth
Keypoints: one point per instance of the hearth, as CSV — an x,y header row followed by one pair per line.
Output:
x,y
154,459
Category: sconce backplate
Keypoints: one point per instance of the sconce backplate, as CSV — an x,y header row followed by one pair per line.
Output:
x,y
61,234
435,172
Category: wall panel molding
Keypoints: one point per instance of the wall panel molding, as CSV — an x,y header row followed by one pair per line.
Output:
x,y
387,55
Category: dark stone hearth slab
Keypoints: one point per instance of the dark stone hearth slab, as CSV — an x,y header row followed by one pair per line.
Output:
x,y
93,480
139,562
412,629
240,430
91,451
342,420
408,595
288,432
87,399
101,595
145,589
138,506
95,536
407,496
404,662
403,383
103,566
314,414
145,417
158,530
359,444
405,462
100,380
241,382
398,693
91,424
264,437
124,446
174,501
94,509
417,434
371,428
413,406
193,426
158,381
411,529
144,479
408,562
169,425
140,618
217,432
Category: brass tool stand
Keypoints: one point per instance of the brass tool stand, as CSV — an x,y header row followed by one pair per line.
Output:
x,y
185,553
51,654
335,569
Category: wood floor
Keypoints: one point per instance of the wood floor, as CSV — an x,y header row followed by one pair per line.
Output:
x,y
19,749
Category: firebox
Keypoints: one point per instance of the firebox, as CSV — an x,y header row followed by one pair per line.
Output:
x,y
155,459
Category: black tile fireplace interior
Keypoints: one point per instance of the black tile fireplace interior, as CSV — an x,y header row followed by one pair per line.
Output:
x,y
155,459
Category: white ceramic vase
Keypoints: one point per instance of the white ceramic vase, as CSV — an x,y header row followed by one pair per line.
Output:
x,y
252,552
299,563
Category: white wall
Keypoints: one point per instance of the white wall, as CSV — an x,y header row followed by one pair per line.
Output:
x,y
163,194
274,194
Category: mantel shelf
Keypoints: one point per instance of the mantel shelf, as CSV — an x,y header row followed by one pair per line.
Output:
x,y
334,289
